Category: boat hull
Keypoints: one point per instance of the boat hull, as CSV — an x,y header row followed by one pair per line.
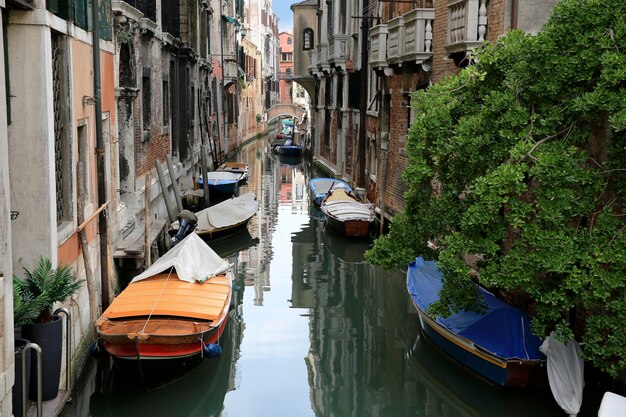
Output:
x,y
506,373
290,150
349,228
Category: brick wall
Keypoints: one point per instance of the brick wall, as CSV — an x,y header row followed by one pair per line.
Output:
x,y
495,20
155,148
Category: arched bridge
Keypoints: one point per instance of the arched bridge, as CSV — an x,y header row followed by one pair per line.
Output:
x,y
284,110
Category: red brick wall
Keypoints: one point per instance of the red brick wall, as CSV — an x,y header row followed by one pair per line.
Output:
x,y
442,65
155,148
495,20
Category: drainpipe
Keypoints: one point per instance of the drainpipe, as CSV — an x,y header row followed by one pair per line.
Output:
x,y
222,27
363,104
100,156
514,11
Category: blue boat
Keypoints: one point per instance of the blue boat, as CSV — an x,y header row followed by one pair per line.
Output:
x,y
496,344
291,150
319,188
221,182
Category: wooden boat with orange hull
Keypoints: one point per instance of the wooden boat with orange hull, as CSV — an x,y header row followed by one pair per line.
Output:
x,y
346,214
174,312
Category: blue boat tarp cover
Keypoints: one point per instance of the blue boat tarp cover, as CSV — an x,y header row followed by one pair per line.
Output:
x,y
323,185
287,122
502,329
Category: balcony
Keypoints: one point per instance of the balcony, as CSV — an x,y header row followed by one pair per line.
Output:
x,y
231,71
467,25
312,61
395,40
378,47
285,75
322,58
338,50
418,35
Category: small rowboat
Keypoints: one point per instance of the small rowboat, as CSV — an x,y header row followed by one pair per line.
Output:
x,y
225,218
221,182
319,188
496,344
172,314
346,214
290,150
236,168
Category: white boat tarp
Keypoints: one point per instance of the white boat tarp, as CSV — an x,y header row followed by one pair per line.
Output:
x,y
565,373
193,259
612,405
227,213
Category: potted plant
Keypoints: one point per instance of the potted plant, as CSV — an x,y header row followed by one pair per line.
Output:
x,y
48,285
26,309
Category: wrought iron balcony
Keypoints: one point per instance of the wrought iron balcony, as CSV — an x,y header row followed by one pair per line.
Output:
x,y
338,50
467,24
378,47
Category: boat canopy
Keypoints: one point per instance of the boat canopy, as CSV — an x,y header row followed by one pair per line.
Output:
x,y
501,329
193,260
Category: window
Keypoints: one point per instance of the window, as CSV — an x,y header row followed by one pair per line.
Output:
x,y
288,71
165,95
146,96
307,39
289,41
62,134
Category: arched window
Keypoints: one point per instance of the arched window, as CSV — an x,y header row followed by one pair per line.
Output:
x,y
307,39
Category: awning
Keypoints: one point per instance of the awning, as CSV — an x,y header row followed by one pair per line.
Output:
x,y
231,19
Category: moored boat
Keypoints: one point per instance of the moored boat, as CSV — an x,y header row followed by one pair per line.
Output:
x,y
346,214
289,150
319,188
221,182
236,168
496,344
225,218
171,315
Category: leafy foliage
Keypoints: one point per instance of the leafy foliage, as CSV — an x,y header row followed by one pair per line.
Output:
x,y
48,285
26,307
520,160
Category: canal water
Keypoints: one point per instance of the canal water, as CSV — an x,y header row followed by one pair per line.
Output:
x,y
315,330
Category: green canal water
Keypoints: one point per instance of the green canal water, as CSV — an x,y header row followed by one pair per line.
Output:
x,y
315,330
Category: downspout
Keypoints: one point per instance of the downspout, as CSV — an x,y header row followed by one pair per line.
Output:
x,y
514,11
100,156
363,104
222,27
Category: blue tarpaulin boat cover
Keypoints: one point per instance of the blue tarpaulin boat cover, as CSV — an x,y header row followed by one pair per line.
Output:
x,y
502,329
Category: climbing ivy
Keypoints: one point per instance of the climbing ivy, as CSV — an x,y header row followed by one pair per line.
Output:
x,y
519,164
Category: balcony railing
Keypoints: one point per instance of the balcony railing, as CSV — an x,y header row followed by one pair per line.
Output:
x,y
467,24
378,47
395,40
312,60
322,57
284,75
231,70
338,49
418,35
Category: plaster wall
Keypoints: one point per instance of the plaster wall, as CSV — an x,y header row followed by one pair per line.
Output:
x,y
7,374
31,144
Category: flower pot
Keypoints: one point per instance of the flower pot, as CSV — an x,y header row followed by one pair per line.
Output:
x,y
49,337
17,387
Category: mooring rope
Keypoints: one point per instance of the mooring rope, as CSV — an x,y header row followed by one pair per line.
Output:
x,y
157,300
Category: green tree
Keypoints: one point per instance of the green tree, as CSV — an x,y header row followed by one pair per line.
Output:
x,y
521,160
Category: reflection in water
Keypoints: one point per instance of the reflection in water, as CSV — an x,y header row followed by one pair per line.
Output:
x,y
447,390
315,329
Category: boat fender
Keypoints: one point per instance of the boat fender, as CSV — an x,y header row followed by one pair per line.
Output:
x,y
94,350
212,350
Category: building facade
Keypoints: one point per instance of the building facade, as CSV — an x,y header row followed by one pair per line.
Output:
x,y
366,59
285,87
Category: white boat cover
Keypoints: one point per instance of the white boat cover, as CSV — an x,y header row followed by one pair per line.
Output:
x,y
193,259
612,405
565,373
216,176
227,213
